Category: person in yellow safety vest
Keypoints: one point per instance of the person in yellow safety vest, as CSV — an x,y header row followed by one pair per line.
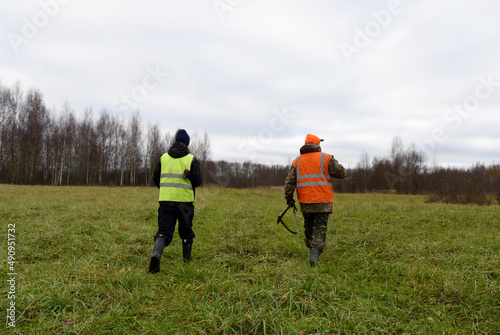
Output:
x,y
177,175
311,175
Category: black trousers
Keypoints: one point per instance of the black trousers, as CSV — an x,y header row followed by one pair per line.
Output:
x,y
167,218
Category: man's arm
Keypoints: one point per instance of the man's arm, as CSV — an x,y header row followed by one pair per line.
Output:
x,y
156,175
290,184
195,173
336,169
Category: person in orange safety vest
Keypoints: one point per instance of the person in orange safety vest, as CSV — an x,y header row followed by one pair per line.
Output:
x,y
311,176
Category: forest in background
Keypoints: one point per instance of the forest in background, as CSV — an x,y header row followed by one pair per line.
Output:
x,y
38,146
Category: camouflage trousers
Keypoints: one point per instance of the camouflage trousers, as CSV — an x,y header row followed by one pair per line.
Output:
x,y
315,226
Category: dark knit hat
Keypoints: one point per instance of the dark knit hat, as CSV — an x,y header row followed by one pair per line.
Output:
x,y
182,136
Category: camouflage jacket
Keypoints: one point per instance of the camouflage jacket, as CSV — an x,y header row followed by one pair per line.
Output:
x,y
336,171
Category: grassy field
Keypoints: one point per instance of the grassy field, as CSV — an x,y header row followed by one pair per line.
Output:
x,y
393,265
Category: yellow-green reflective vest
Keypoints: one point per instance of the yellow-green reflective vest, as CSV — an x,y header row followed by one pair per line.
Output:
x,y
172,186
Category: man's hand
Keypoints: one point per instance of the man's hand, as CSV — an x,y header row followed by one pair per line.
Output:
x,y
291,203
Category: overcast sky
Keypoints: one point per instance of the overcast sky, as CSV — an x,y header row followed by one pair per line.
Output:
x,y
257,75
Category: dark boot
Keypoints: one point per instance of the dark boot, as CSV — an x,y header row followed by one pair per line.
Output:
x,y
154,265
314,257
187,246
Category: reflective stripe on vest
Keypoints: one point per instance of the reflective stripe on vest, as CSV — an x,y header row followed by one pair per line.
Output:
x,y
314,184
172,186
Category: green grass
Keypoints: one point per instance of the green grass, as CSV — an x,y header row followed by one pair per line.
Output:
x,y
393,265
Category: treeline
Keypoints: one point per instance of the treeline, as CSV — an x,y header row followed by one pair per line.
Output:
x,y
245,175
38,146
406,171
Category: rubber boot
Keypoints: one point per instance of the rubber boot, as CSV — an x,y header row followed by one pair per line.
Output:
x,y
186,250
314,257
154,265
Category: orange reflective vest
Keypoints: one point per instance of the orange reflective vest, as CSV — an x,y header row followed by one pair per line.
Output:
x,y
314,184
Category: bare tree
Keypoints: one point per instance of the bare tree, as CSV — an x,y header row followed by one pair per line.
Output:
x,y
86,146
4,96
13,100
134,147
154,150
205,156
200,148
103,135
33,118
363,171
122,152
414,166
66,127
